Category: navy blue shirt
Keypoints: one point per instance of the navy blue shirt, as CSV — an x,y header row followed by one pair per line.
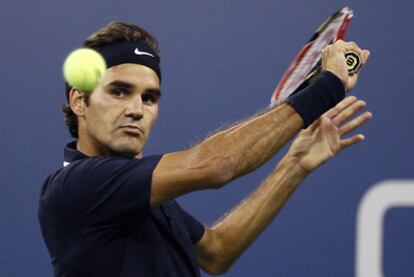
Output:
x,y
96,220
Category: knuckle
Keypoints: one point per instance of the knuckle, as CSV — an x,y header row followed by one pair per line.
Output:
x,y
355,47
352,43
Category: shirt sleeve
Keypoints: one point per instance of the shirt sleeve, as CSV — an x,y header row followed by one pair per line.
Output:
x,y
195,228
109,190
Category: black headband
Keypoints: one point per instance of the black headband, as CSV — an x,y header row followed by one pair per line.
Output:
x,y
131,52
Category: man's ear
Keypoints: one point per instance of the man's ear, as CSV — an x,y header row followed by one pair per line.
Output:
x,y
77,101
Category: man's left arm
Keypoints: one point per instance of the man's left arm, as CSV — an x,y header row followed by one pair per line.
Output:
x,y
224,242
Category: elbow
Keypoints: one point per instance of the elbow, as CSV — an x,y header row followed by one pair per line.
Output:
x,y
217,269
216,258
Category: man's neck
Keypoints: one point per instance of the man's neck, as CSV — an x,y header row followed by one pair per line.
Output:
x,y
92,149
88,148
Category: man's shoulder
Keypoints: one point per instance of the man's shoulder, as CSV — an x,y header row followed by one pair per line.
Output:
x,y
109,161
99,169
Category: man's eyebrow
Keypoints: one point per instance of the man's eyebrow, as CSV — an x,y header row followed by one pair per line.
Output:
x,y
154,91
129,86
120,84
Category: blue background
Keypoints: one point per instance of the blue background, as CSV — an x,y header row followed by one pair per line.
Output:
x,y
221,60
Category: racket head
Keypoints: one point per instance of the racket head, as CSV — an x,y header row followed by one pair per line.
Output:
x,y
306,64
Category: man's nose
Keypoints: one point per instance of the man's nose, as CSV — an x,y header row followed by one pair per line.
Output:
x,y
135,108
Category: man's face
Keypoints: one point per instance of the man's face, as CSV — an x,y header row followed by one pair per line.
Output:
x,y
122,111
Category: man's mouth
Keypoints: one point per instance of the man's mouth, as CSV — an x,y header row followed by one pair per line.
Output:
x,y
133,130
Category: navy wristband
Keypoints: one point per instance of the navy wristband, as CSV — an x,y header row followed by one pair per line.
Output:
x,y
322,94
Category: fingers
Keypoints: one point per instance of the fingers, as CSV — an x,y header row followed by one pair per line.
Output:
x,y
351,141
340,106
324,56
346,46
364,58
342,112
355,123
353,46
349,111
333,60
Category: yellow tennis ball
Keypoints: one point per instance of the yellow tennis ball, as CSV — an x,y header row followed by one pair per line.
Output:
x,y
84,69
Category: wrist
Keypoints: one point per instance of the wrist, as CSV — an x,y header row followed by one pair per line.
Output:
x,y
337,78
320,96
293,164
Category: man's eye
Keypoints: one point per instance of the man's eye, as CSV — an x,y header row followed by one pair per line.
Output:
x,y
119,92
149,98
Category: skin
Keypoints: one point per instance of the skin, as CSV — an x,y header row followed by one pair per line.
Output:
x,y
333,60
122,110
228,238
224,156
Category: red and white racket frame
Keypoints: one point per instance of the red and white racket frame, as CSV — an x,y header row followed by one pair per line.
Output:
x,y
305,63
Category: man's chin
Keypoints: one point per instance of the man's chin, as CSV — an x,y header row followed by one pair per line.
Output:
x,y
125,151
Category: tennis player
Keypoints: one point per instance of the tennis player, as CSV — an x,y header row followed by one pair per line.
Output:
x,y
110,211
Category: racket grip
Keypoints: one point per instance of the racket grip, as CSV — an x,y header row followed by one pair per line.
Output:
x,y
353,62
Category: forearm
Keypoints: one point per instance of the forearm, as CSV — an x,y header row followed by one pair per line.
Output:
x,y
239,150
239,228
249,144
225,155
223,243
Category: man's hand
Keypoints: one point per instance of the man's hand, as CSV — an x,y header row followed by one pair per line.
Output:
x,y
333,60
324,138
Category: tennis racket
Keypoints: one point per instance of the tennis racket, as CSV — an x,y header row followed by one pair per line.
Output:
x,y
307,64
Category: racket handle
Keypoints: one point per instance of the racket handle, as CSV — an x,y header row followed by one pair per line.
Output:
x,y
353,62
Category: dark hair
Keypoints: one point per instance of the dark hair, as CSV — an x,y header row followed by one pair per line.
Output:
x,y
112,33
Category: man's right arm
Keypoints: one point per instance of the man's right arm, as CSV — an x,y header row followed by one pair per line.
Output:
x,y
239,150
224,156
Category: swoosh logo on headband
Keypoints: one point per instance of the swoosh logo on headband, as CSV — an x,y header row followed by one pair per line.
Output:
x,y
140,53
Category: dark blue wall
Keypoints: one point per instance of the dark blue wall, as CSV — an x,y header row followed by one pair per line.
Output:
x,y
221,60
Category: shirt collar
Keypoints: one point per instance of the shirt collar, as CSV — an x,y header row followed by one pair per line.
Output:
x,y
71,154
